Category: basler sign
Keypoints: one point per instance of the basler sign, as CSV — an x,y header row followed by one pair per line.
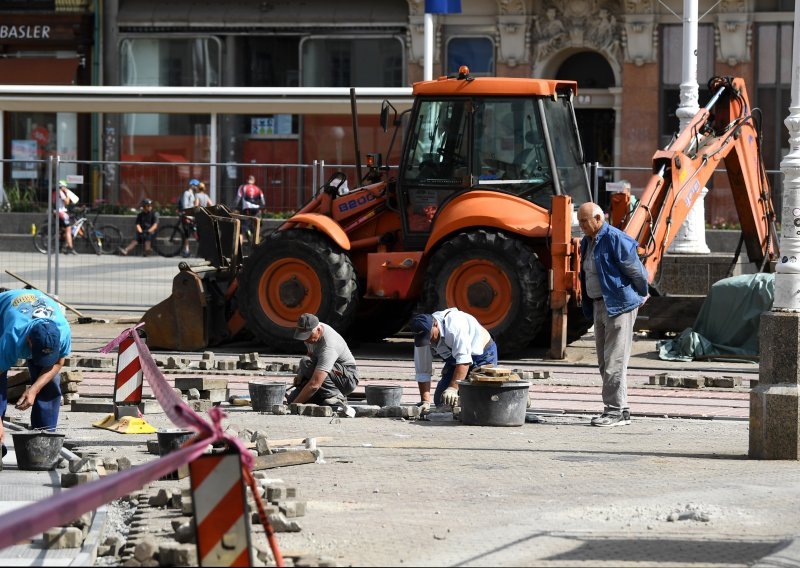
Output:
x,y
51,29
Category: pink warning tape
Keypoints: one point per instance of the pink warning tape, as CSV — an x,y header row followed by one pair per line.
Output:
x,y
64,507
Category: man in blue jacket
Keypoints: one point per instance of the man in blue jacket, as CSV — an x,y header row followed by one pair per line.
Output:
x,y
614,285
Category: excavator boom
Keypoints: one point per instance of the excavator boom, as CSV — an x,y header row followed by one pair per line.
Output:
x,y
724,130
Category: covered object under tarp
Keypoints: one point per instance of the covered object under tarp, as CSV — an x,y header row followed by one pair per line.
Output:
x,y
728,322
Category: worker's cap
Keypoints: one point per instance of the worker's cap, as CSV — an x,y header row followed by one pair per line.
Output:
x,y
146,201
420,326
306,324
45,343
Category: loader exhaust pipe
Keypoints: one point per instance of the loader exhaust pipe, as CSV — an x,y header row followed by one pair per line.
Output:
x,y
354,114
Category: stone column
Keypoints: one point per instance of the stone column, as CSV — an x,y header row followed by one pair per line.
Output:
x,y
691,237
775,402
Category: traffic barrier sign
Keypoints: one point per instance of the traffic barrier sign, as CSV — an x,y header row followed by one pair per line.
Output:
x,y
220,510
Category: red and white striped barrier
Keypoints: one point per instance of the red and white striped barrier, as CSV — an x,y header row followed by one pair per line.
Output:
x,y
130,378
220,510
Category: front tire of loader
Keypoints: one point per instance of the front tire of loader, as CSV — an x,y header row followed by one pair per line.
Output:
x,y
496,278
291,273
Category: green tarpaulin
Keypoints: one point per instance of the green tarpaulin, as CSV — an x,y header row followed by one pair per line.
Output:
x,y
728,321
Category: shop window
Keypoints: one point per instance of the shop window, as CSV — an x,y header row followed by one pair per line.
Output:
x,y
671,69
183,62
351,62
271,61
477,53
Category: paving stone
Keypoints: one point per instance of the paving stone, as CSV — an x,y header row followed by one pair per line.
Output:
x,y
399,412
214,395
175,554
146,549
63,537
281,524
200,383
73,479
365,410
694,382
98,405
114,543
727,382
280,409
185,533
160,499
226,365
177,363
153,447
201,405
262,446
82,465
293,509
83,521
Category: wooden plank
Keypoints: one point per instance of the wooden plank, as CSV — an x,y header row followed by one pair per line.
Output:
x,y
282,459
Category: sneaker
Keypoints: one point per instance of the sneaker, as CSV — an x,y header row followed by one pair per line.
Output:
x,y
186,254
122,252
608,420
626,417
70,250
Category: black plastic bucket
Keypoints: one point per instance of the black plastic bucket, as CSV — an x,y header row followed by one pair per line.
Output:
x,y
172,439
384,395
37,451
266,394
493,403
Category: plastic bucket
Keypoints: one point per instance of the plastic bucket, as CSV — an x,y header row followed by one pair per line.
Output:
x,y
37,451
170,440
493,404
265,394
384,395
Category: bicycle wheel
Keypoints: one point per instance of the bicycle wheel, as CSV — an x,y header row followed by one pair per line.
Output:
x,y
91,235
168,241
110,238
40,238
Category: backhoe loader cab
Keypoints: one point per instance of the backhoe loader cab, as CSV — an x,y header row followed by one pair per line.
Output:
x,y
508,135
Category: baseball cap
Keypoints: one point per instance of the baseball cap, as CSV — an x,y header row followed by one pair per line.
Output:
x,y
147,201
62,183
306,324
45,343
193,182
420,326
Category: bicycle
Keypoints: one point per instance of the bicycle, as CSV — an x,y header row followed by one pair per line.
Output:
x,y
101,240
169,238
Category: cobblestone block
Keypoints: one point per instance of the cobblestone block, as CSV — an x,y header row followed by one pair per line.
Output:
x,y
193,394
214,395
177,363
200,383
200,405
185,533
73,479
114,544
63,537
727,382
226,365
293,509
146,549
365,410
160,499
320,411
280,409
281,524
177,554
98,405
675,381
83,521
153,448
399,412
82,465
694,382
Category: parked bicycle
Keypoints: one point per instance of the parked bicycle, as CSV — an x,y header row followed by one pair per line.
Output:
x,y
105,239
169,238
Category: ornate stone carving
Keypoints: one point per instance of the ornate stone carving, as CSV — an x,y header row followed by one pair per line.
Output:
x,y
513,39
639,7
733,36
578,23
511,7
416,7
640,38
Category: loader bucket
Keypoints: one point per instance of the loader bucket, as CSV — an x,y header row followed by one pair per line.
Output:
x,y
179,322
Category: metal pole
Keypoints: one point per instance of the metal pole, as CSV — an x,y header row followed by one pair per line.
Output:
x,y
787,271
213,150
428,53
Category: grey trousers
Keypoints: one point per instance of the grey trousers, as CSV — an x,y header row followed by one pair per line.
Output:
x,y
613,338
340,382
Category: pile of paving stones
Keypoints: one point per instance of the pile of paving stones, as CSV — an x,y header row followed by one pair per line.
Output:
x,y
696,381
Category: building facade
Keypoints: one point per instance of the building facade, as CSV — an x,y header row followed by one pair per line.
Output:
x,y
624,54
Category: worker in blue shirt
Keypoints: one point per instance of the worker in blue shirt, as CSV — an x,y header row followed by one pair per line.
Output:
x,y
33,327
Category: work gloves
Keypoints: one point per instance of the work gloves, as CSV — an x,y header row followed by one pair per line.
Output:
x,y
450,396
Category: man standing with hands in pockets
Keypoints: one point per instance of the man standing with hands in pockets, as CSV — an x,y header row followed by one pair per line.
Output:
x,y
614,285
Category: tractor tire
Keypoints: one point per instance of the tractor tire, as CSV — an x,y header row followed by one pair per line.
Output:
x,y
496,278
291,273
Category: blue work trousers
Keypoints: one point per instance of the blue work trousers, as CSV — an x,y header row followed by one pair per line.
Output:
x,y
45,409
488,357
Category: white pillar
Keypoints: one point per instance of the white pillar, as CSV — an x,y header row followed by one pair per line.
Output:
x,y
691,237
428,53
787,277
213,157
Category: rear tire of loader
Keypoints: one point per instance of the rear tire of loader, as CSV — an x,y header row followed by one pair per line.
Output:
x,y
291,273
496,278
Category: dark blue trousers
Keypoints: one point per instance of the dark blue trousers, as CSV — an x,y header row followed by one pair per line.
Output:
x,y
45,409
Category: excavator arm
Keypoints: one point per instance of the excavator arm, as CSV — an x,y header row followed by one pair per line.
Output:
x,y
724,130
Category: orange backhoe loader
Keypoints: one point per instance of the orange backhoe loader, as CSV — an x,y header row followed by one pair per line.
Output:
x,y
481,215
